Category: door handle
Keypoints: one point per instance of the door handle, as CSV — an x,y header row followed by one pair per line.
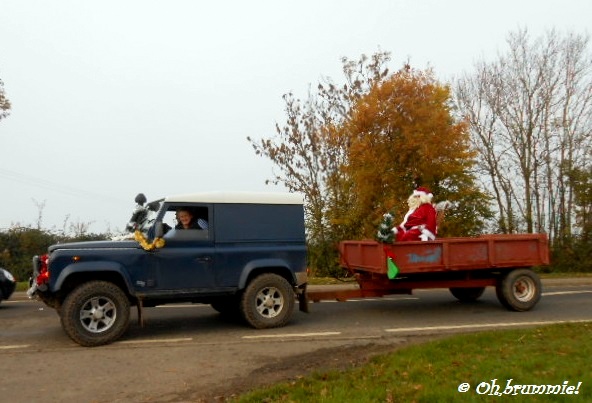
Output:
x,y
205,259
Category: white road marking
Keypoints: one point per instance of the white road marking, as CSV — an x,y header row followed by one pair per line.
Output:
x,y
155,341
370,299
482,325
399,299
182,306
547,294
284,335
15,346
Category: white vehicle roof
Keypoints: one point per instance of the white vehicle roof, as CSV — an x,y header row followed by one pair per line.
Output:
x,y
238,197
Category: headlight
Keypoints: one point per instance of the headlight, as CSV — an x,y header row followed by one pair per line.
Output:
x,y
7,275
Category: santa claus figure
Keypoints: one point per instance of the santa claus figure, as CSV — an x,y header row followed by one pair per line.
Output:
x,y
419,223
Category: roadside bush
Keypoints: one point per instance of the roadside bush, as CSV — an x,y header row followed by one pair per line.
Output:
x,y
323,260
18,245
572,257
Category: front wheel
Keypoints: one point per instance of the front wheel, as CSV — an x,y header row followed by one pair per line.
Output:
x,y
95,313
268,301
519,290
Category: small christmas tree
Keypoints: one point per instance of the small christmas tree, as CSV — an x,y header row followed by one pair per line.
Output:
x,y
384,234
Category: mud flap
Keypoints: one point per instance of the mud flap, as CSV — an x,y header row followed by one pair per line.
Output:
x,y
303,299
140,307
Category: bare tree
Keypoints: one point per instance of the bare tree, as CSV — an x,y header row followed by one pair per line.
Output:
x,y
306,150
4,102
40,207
80,229
530,113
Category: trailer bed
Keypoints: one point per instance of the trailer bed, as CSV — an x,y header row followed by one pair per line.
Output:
x,y
448,254
464,265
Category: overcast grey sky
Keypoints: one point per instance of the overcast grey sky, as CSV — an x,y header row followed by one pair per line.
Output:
x,y
111,98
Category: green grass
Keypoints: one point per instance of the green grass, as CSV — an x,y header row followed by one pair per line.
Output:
x,y
329,280
22,286
432,372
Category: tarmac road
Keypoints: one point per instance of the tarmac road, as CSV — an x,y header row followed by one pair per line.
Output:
x,y
191,353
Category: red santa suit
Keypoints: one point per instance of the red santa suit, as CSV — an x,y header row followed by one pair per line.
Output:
x,y
419,224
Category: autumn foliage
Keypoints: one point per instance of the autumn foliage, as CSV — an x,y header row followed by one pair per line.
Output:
x,y
402,134
357,151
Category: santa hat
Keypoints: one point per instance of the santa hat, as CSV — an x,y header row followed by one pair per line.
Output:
x,y
423,191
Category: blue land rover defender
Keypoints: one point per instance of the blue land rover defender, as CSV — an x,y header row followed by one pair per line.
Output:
x,y
247,257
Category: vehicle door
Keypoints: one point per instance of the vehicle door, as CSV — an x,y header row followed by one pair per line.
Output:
x,y
185,263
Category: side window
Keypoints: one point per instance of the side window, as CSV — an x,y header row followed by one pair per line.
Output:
x,y
186,222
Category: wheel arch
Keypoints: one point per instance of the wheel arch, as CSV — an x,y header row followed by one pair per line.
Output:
x,y
77,273
261,266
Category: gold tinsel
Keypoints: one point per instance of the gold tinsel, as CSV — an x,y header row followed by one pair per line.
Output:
x,y
157,243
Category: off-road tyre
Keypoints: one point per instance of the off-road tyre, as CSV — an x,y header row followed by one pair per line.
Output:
x,y
268,301
95,313
471,294
519,290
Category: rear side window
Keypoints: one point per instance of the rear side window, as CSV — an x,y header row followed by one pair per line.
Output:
x,y
259,222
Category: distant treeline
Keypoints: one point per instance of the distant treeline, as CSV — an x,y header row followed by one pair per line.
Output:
x,y
18,245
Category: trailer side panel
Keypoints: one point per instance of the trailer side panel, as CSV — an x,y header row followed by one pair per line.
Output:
x,y
448,254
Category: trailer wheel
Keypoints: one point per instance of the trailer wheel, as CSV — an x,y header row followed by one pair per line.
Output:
x,y
95,313
268,301
519,290
467,294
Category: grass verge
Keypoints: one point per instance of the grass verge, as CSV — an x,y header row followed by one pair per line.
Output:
x,y
432,372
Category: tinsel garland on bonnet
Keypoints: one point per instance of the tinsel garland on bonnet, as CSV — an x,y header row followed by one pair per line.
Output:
x,y
141,239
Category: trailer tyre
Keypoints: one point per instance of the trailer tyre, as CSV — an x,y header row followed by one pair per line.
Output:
x,y
519,290
95,313
268,301
471,294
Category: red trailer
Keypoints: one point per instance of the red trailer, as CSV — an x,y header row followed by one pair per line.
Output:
x,y
464,265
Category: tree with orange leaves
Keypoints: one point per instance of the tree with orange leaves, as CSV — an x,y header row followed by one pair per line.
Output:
x,y
402,134
357,150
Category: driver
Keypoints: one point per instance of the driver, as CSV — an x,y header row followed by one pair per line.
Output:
x,y
187,220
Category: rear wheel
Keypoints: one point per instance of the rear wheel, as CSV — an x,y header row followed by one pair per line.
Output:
x,y
519,290
467,294
268,301
95,313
